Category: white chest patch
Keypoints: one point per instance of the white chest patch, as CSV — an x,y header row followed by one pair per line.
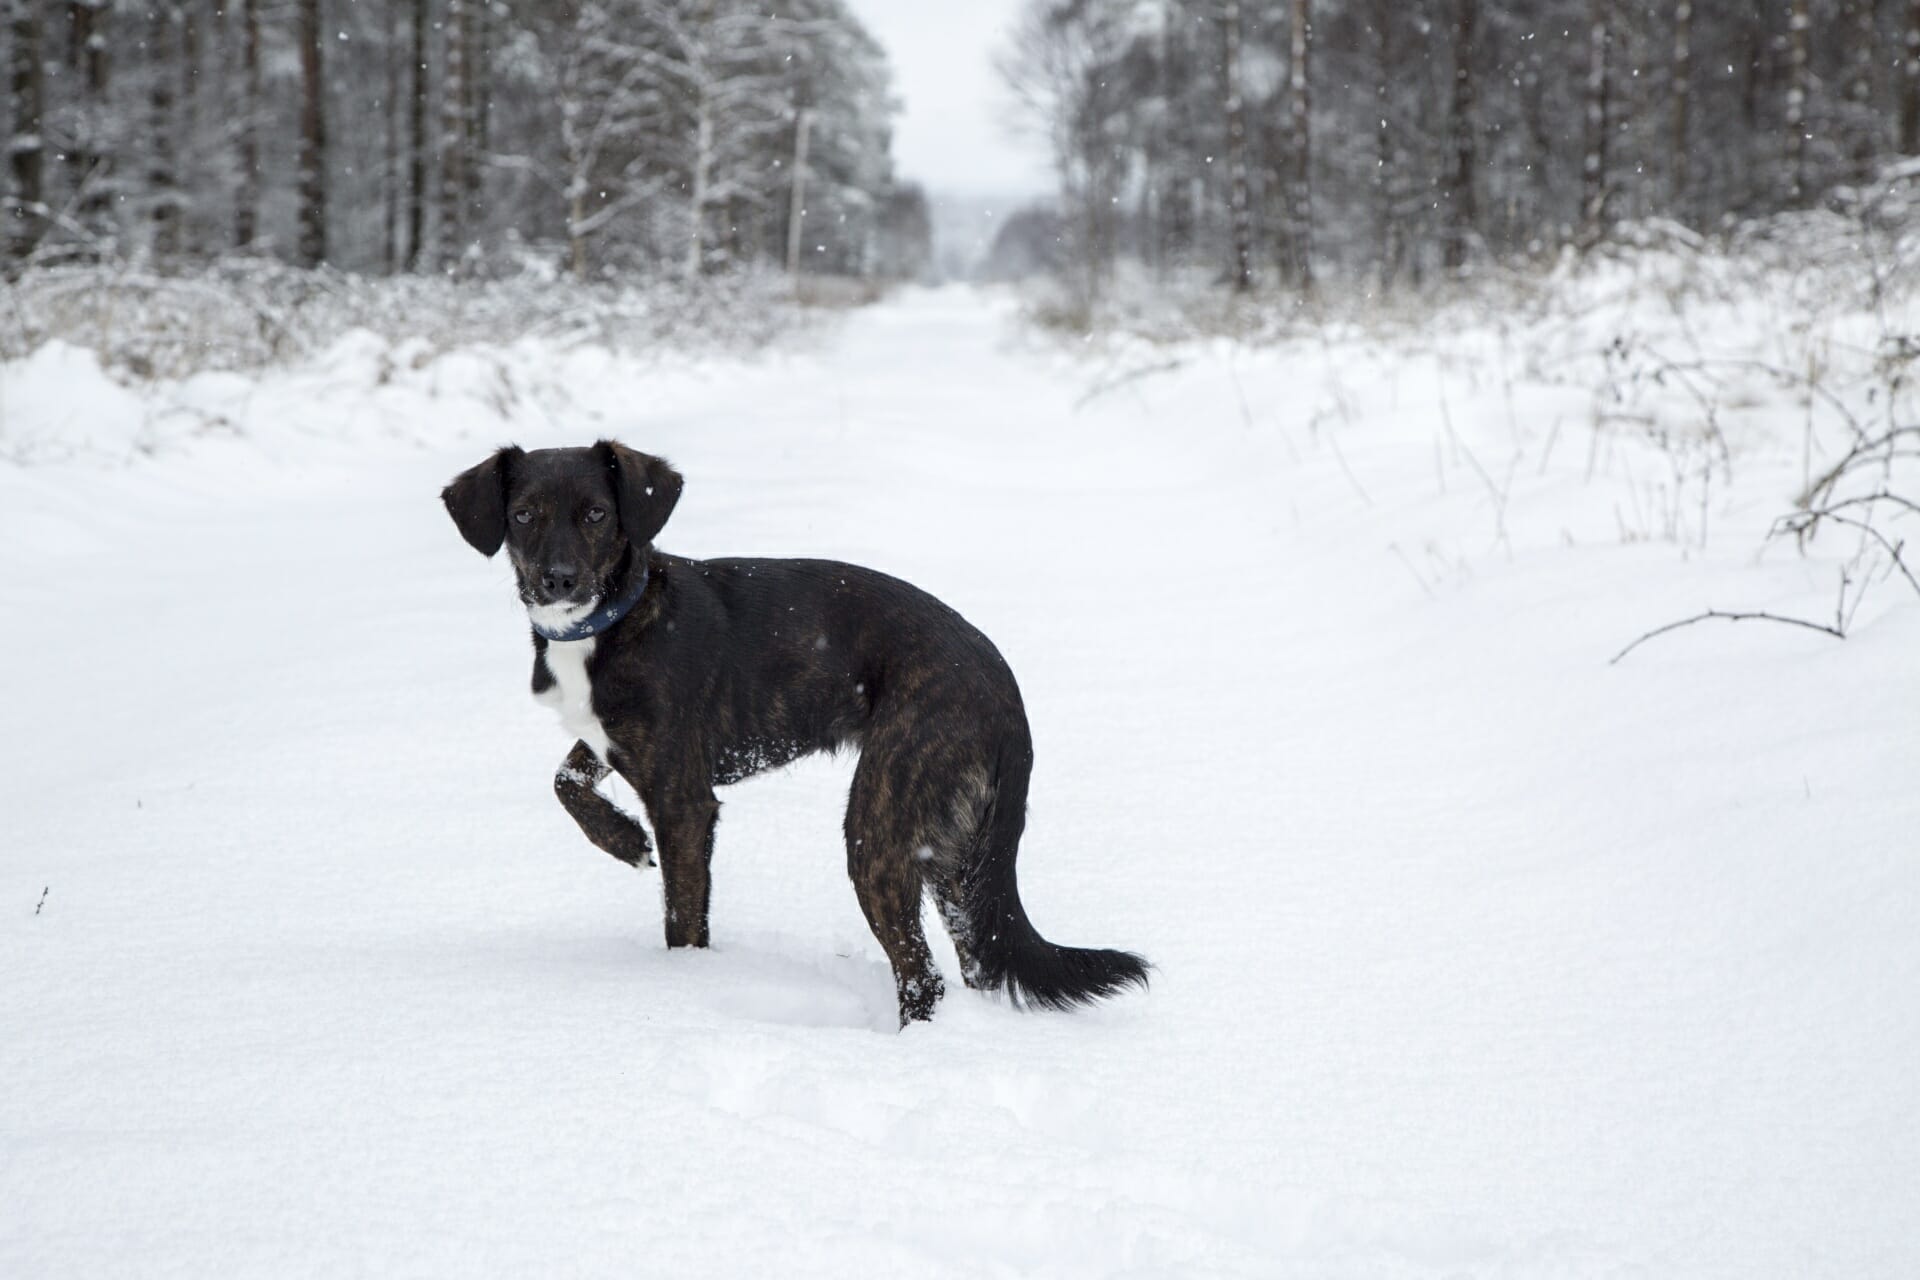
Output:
x,y
571,693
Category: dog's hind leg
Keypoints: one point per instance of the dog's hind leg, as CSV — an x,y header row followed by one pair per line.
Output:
x,y
889,890
950,895
886,878
600,819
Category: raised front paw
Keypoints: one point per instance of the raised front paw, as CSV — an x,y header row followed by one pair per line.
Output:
x,y
635,849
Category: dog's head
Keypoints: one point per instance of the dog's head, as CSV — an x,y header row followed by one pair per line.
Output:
x,y
571,519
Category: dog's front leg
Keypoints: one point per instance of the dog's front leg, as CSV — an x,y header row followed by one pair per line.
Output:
x,y
599,818
683,820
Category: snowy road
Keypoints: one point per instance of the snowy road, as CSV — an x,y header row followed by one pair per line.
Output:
x,y
1476,956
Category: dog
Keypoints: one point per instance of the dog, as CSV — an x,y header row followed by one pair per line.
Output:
x,y
686,675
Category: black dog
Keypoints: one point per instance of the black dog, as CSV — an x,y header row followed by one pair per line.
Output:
x,y
686,675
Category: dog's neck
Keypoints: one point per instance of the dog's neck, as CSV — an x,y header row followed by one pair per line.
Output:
x,y
608,613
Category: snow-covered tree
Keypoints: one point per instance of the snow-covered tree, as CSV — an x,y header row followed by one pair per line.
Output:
x,y
413,134
1401,136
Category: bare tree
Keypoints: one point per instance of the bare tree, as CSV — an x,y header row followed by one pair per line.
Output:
x,y
455,139
602,87
725,60
26,147
392,170
246,213
1593,169
311,246
1864,122
1240,205
478,85
1910,82
92,151
417,135
1462,212
191,127
163,175
702,185
797,207
1682,99
1798,71
1300,186
1380,17
1053,67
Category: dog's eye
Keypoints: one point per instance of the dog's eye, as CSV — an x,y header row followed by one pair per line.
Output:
x,y
596,514
523,517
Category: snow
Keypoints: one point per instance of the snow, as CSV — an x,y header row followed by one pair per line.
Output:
x,y
57,403
1475,955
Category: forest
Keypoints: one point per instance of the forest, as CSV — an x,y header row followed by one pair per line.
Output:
x,y
1251,142
466,137
1274,142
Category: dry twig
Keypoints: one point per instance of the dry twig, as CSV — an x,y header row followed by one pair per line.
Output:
x,y
1832,629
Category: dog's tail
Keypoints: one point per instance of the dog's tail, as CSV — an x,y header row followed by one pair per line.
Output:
x,y
1006,949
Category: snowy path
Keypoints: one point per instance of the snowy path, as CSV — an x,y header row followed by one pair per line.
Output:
x,y
1476,956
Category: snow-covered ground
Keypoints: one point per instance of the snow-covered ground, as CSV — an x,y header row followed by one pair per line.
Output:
x,y
1476,955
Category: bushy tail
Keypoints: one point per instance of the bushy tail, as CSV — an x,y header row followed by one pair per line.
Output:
x,y
1007,950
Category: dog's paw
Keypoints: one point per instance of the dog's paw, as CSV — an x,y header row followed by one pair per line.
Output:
x,y
631,847
642,850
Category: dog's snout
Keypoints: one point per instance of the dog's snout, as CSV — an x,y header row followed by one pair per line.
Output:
x,y
560,578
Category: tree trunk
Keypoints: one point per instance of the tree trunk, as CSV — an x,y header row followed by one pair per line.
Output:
x,y
1861,36
797,209
187,128
1384,167
1682,103
1300,188
163,179
92,161
453,138
1798,70
576,239
478,86
311,246
1240,196
1463,210
417,139
702,166
246,213
390,172
568,92
26,148
1910,83
1593,170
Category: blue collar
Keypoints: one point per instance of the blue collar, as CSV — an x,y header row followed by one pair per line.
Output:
x,y
606,615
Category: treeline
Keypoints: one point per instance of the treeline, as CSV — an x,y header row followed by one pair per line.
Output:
x,y
465,136
1397,137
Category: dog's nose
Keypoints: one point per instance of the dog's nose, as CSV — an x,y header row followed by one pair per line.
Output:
x,y
559,577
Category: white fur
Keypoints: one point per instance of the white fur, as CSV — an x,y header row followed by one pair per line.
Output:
x,y
571,693
558,617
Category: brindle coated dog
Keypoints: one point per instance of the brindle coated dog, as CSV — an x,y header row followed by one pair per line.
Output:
x,y
685,675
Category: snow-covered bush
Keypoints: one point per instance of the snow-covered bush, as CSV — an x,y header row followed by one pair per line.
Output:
x,y
1691,356
250,314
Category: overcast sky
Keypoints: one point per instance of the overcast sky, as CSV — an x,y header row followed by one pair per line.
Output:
x,y
951,136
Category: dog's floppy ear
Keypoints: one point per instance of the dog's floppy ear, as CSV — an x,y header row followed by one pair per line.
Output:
x,y
477,500
647,489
